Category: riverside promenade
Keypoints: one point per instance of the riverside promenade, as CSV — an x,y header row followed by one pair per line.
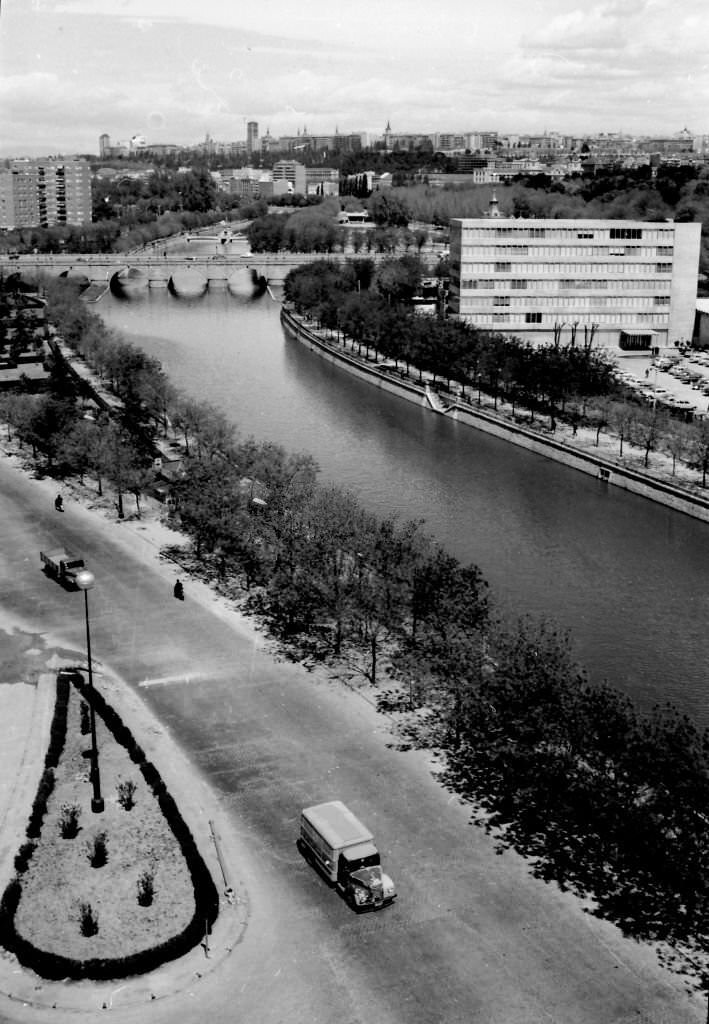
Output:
x,y
579,449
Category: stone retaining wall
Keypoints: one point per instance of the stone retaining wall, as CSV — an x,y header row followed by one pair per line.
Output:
x,y
605,472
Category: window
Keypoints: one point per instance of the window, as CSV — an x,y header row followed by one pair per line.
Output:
x,y
503,268
584,234
616,250
532,318
664,250
663,268
626,233
501,300
518,284
662,300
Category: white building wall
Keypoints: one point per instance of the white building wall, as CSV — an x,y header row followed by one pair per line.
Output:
x,y
629,283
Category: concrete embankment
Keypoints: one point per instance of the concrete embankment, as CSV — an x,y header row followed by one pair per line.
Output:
x,y
607,472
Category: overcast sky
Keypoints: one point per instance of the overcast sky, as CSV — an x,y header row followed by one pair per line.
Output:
x,y
174,71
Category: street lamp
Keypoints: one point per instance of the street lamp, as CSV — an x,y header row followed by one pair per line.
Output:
x,y
85,581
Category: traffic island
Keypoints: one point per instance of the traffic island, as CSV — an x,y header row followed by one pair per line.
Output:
x,y
103,895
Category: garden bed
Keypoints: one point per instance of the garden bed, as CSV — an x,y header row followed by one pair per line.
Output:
x,y
104,894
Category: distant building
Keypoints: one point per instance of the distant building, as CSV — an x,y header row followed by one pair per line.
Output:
x,y
293,173
322,181
628,285
252,138
242,181
45,193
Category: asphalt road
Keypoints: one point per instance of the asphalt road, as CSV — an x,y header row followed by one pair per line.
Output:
x,y
473,938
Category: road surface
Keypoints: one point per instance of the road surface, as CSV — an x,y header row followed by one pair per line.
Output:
x,y
473,938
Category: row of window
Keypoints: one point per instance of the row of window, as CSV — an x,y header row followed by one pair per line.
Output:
x,y
553,270
564,284
556,251
575,302
601,319
486,231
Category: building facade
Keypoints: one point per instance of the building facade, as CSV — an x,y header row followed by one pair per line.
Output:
x,y
626,285
45,193
292,172
252,145
322,181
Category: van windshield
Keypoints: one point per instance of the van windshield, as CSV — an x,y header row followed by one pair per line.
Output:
x,y
371,861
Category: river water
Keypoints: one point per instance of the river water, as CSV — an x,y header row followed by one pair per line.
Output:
x,y
625,577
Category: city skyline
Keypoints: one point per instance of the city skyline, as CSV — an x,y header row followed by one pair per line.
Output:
x,y
70,68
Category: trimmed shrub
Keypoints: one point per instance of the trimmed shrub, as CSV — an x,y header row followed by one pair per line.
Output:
x,y
39,807
146,888
88,919
126,794
97,850
24,856
69,821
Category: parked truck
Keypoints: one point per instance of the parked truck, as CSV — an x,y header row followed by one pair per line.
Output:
x,y
61,565
343,850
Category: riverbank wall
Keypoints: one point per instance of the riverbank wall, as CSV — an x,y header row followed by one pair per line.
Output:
x,y
606,472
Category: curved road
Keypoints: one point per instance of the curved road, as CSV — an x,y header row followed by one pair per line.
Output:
x,y
473,938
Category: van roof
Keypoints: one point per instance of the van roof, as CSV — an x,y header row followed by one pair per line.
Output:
x,y
337,824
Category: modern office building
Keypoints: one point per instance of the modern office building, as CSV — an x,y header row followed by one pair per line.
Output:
x,y
45,192
625,285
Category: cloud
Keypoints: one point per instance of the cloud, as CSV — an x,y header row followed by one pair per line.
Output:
x,y
173,71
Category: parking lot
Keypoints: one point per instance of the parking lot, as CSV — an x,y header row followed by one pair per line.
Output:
x,y
678,381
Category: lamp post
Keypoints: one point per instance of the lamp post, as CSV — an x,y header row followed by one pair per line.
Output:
x,y
85,581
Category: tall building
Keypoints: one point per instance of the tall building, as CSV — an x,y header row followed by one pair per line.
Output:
x,y
252,137
625,284
45,193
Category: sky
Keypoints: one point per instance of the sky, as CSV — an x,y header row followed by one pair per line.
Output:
x,y
174,71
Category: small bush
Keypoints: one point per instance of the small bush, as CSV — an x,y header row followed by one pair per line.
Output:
x,y
146,888
69,826
126,794
97,850
88,919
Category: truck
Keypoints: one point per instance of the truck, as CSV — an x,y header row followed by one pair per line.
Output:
x,y
338,845
61,565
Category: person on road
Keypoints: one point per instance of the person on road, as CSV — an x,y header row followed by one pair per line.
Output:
x,y
59,503
178,591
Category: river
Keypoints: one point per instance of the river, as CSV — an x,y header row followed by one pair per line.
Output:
x,y
626,577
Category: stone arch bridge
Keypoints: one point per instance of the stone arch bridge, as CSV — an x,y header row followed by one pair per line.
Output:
x,y
162,269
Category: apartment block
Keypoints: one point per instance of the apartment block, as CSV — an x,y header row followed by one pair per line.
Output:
x,y
292,172
322,181
627,285
45,192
